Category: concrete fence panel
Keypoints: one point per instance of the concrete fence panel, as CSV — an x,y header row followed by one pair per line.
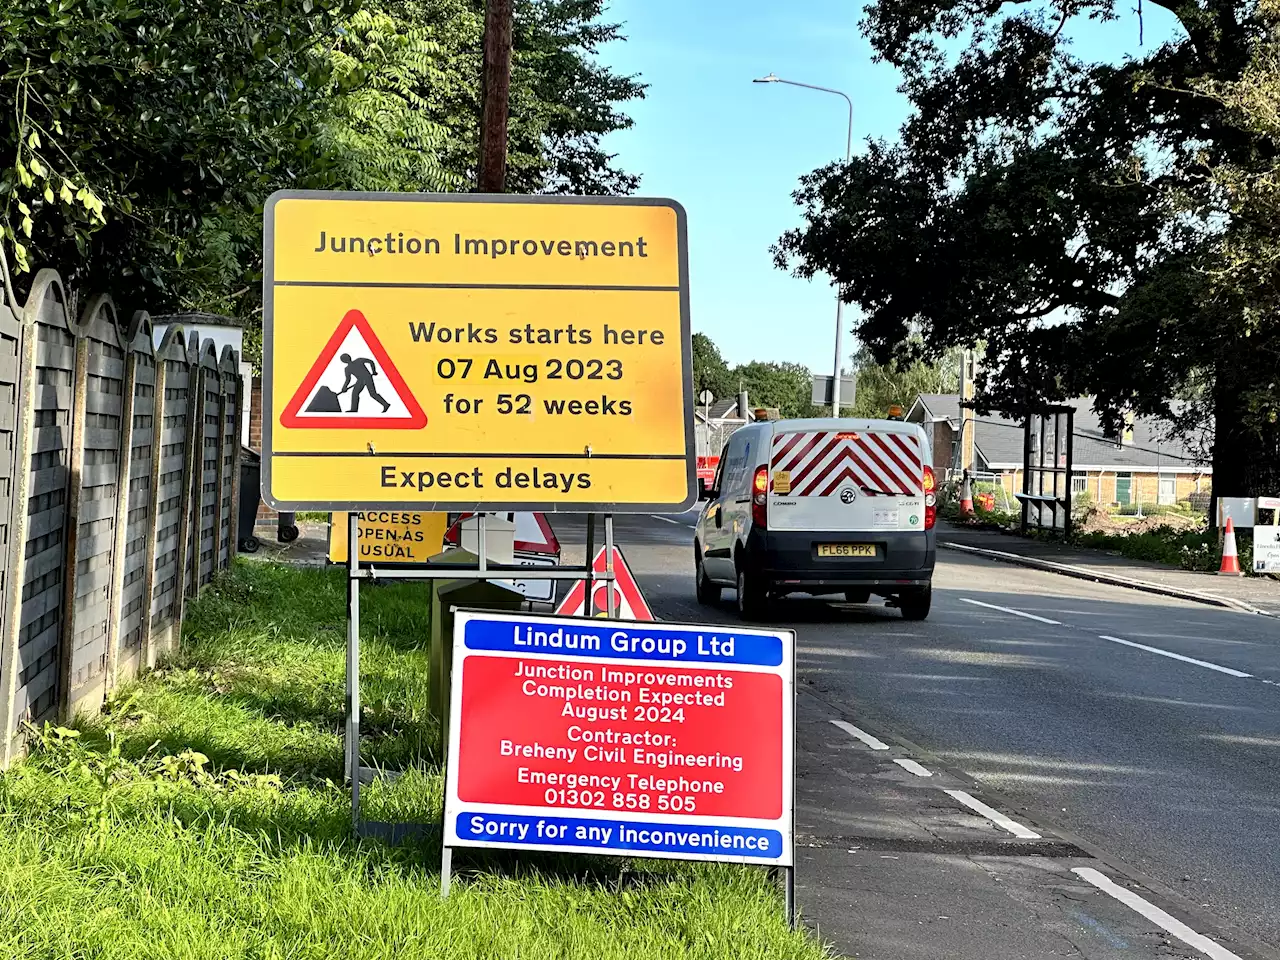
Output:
x,y
229,487
100,412
194,449
41,516
119,486
210,447
135,512
12,479
172,495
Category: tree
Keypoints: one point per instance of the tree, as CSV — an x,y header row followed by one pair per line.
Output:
x,y
710,372
382,122
787,386
563,101
132,126
900,381
1062,213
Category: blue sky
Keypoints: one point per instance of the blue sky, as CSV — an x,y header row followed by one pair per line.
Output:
x,y
732,151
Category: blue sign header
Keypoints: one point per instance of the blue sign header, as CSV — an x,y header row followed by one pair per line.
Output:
x,y
641,837
583,637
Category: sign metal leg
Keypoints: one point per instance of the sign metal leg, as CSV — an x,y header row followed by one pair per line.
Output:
x,y
591,556
610,608
446,870
353,666
789,886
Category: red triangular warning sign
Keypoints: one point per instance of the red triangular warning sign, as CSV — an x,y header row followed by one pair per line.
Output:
x,y
628,602
353,385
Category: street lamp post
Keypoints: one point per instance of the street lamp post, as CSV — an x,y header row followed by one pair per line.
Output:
x,y
848,155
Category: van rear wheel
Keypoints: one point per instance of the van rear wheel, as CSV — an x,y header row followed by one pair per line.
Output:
x,y
915,604
753,595
708,593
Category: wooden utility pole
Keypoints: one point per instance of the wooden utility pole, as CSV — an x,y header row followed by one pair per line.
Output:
x,y
495,91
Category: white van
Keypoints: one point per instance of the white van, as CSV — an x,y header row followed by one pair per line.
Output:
x,y
820,506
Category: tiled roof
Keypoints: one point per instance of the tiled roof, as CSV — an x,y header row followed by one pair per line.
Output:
x,y
999,438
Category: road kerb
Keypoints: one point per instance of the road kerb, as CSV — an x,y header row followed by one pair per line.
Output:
x,y
1084,573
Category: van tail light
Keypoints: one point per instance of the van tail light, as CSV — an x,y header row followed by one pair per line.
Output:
x,y
760,497
930,498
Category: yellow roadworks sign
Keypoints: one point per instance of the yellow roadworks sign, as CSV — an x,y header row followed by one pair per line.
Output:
x,y
459,351
390,536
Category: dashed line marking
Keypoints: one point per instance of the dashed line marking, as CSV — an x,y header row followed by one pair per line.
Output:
x,y
1016,613
994,815
875,743
1177,656
1198,941
912,767
679,523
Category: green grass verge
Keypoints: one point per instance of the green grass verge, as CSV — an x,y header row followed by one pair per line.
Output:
x,y
202,817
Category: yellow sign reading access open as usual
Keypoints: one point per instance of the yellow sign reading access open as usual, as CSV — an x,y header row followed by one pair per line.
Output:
x,y
435,351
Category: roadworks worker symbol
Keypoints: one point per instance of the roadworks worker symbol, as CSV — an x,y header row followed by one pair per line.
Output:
x,y
353,384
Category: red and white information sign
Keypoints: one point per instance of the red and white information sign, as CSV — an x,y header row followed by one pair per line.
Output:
x,y
629,738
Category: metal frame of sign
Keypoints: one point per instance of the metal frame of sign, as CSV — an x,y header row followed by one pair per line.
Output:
x,y
268,329
354,770
785,862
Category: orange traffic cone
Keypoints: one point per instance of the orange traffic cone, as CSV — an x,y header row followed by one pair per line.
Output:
x,y
966,497
1230,556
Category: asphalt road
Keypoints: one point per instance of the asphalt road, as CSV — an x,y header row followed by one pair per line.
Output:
x,y
1167,767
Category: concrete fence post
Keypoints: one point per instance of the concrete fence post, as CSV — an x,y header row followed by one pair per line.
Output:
x,y
15,566
147,656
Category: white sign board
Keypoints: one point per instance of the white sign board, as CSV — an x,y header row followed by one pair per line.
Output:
x,y
1266,549
1243,511
540,591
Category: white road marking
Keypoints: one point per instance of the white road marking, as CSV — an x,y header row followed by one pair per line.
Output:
x,y
913,767
873,742
995,816
1209,948
679,523
1177,656
1016,613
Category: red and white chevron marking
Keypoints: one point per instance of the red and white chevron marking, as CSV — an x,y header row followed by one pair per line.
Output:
x,y
819,461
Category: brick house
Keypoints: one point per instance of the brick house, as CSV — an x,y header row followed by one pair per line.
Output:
x,y
1143,466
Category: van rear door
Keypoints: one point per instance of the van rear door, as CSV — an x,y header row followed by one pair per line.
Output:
x,y
856,476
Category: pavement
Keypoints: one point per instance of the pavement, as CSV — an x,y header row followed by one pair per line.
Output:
x,y
310,549
1251,594
1048,766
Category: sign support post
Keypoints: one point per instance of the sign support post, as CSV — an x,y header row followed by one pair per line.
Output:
x,y
608,549
353,666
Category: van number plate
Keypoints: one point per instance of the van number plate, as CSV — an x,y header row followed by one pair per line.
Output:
x,y
846,549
